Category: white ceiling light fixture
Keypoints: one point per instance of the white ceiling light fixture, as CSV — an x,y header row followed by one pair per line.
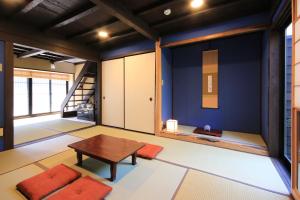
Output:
x,y
167,12
52,65
103,34
196,3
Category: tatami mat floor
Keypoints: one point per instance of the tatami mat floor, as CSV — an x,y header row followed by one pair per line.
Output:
x,y
182,171
27,132
249,139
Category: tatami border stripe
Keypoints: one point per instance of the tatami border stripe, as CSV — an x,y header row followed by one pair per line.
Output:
x,y
33,162
230,179
179,186
41,166
52,136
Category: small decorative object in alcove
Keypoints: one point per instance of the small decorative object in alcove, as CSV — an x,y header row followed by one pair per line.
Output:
x,y
207,128
172,125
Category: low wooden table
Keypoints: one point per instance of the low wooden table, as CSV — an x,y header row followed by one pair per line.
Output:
x,y
110,150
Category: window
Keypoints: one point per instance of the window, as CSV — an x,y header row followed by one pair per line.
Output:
x,y
287,93
21,99
58,94
38,92
40,95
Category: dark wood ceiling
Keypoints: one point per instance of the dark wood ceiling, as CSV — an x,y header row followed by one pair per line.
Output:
x,y
125,20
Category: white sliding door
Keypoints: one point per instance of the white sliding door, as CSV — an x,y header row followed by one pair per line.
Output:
x,y
113,93
140,92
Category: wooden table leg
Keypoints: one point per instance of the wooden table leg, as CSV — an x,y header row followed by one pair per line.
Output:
x,y
134,159
113,171
79,158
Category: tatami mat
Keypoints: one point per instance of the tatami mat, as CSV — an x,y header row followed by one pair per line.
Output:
x,y
16,158
202,186
230,136
28,133
149,179
9,181
248,168
62,125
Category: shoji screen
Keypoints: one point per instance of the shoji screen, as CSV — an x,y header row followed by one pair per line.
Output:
x,y
140,92
113,93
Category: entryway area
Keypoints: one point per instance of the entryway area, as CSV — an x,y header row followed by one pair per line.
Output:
x,y
53,94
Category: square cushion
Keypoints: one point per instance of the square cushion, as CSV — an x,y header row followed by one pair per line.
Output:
x,y
83,189
149,151
39,186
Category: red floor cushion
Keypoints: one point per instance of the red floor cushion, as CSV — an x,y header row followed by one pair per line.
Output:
x,y
85,188
41,185
149,151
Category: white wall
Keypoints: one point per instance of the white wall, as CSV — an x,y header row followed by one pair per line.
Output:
x,y
78,69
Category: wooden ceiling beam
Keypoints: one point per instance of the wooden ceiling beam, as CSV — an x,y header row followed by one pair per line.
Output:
x,y
215,9
115,22
31,53
31,5
209,10
113,38
75,17
116,9
63,59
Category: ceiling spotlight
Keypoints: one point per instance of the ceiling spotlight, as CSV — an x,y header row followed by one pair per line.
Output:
x,y
103,34
52,65
196,3
167,11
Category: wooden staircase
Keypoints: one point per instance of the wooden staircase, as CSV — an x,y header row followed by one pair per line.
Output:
x,y
82,91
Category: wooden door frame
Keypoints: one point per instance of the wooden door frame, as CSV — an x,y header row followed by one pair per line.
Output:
x,y
295,111
8,131
158,88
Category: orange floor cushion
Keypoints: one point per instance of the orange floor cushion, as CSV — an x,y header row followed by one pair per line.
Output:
x,y
85,188
41,185
149,151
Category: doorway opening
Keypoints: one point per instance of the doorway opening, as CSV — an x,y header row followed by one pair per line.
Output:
x,y
53,94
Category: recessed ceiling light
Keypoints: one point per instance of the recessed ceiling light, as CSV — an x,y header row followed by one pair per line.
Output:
x,y
167,11
196,3
103,34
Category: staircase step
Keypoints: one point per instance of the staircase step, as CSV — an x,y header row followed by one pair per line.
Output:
x,y
87,83
83,89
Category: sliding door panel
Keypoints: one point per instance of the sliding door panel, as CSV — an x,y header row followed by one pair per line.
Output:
x,y
113,93
140,92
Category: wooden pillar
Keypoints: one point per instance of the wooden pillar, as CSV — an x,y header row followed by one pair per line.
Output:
x,y
158,88
98,94
275,93
8,96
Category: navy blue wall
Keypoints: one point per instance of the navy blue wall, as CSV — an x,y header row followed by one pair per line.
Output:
x,y
239,84
145,45
2,95
167,84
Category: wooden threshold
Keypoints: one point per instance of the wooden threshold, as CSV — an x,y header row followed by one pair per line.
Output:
x,y
216,143
233,32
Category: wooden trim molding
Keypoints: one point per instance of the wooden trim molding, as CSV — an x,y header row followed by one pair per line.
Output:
x,y
8,96
158,86
295,111
98,94
220,144
22,34
233,32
